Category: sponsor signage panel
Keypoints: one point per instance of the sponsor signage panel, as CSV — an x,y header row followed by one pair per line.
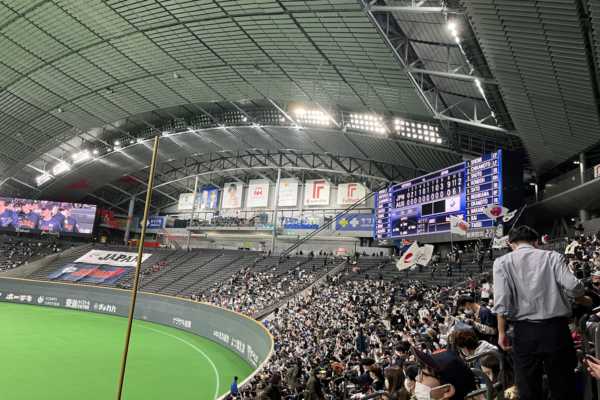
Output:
x,y
258,193
113,258
154,222
355,222
301,223
232,195
316,192
209,198
186,202
351,193
288,192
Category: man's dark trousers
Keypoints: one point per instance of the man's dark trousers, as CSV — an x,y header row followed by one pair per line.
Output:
x,y
544,347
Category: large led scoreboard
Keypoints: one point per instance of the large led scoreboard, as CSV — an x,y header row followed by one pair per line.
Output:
x,y
423,206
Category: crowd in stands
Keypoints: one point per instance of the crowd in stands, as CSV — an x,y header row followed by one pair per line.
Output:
x,y
250,291
15,251
348,338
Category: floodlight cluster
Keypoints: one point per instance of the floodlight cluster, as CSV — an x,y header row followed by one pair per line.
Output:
x,y
312,117
367,122
417,130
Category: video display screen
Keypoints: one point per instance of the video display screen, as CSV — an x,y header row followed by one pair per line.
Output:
x,y
24,215
423,206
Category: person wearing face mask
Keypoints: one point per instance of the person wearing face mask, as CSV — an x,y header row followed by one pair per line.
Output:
x,y
481,318
410,380
442,376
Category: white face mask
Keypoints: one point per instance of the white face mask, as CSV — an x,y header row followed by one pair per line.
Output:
x,y
408,385
422,392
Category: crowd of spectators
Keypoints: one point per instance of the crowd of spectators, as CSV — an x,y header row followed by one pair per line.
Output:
x,y
15,251
349,338
249,291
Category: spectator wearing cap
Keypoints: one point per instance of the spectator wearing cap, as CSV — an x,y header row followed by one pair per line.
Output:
x,y
443,375
531,290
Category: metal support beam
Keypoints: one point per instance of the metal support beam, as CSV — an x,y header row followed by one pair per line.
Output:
x,y
452,75
413,9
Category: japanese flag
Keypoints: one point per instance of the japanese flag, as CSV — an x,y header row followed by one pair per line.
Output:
x,y
494,211
408,258
458,225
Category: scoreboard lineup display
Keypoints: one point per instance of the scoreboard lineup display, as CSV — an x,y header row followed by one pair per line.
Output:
x,y
423,206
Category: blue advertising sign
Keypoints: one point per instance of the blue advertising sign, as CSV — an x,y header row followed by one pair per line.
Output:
x,y
300,223
355,222
154,222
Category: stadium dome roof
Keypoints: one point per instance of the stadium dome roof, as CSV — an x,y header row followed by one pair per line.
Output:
x,y
221,78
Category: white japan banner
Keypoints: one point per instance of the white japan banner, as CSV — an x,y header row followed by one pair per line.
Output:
x,y
186,202
258,193
232,195
350,193
288,192
114,258
316,192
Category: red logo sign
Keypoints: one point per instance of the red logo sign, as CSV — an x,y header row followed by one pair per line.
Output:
x,y
351,190
317,187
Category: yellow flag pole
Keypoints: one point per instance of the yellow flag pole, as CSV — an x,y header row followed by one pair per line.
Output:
x,y
136,281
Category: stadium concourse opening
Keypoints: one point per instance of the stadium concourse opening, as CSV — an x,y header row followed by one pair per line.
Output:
x,y
71,355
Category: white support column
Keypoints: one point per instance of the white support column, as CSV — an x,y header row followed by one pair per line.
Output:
x,y
189,233
129,220
583,214
275,209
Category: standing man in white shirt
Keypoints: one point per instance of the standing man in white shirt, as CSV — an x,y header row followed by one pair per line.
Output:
x,y
533,290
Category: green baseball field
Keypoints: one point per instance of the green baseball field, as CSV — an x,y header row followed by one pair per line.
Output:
x,y
56,354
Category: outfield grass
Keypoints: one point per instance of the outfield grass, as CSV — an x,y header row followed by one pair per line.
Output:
x,y
49,353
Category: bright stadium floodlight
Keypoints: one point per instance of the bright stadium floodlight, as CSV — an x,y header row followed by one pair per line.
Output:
x,y
312,117
61,168
81,156
43,178
95,152
117,142
422,131
367,122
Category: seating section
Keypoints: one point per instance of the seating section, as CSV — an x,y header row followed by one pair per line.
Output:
x,y
16,251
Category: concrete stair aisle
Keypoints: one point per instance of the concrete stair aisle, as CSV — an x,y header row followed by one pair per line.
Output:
x,y
173,259
195,260
194,282
225,273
